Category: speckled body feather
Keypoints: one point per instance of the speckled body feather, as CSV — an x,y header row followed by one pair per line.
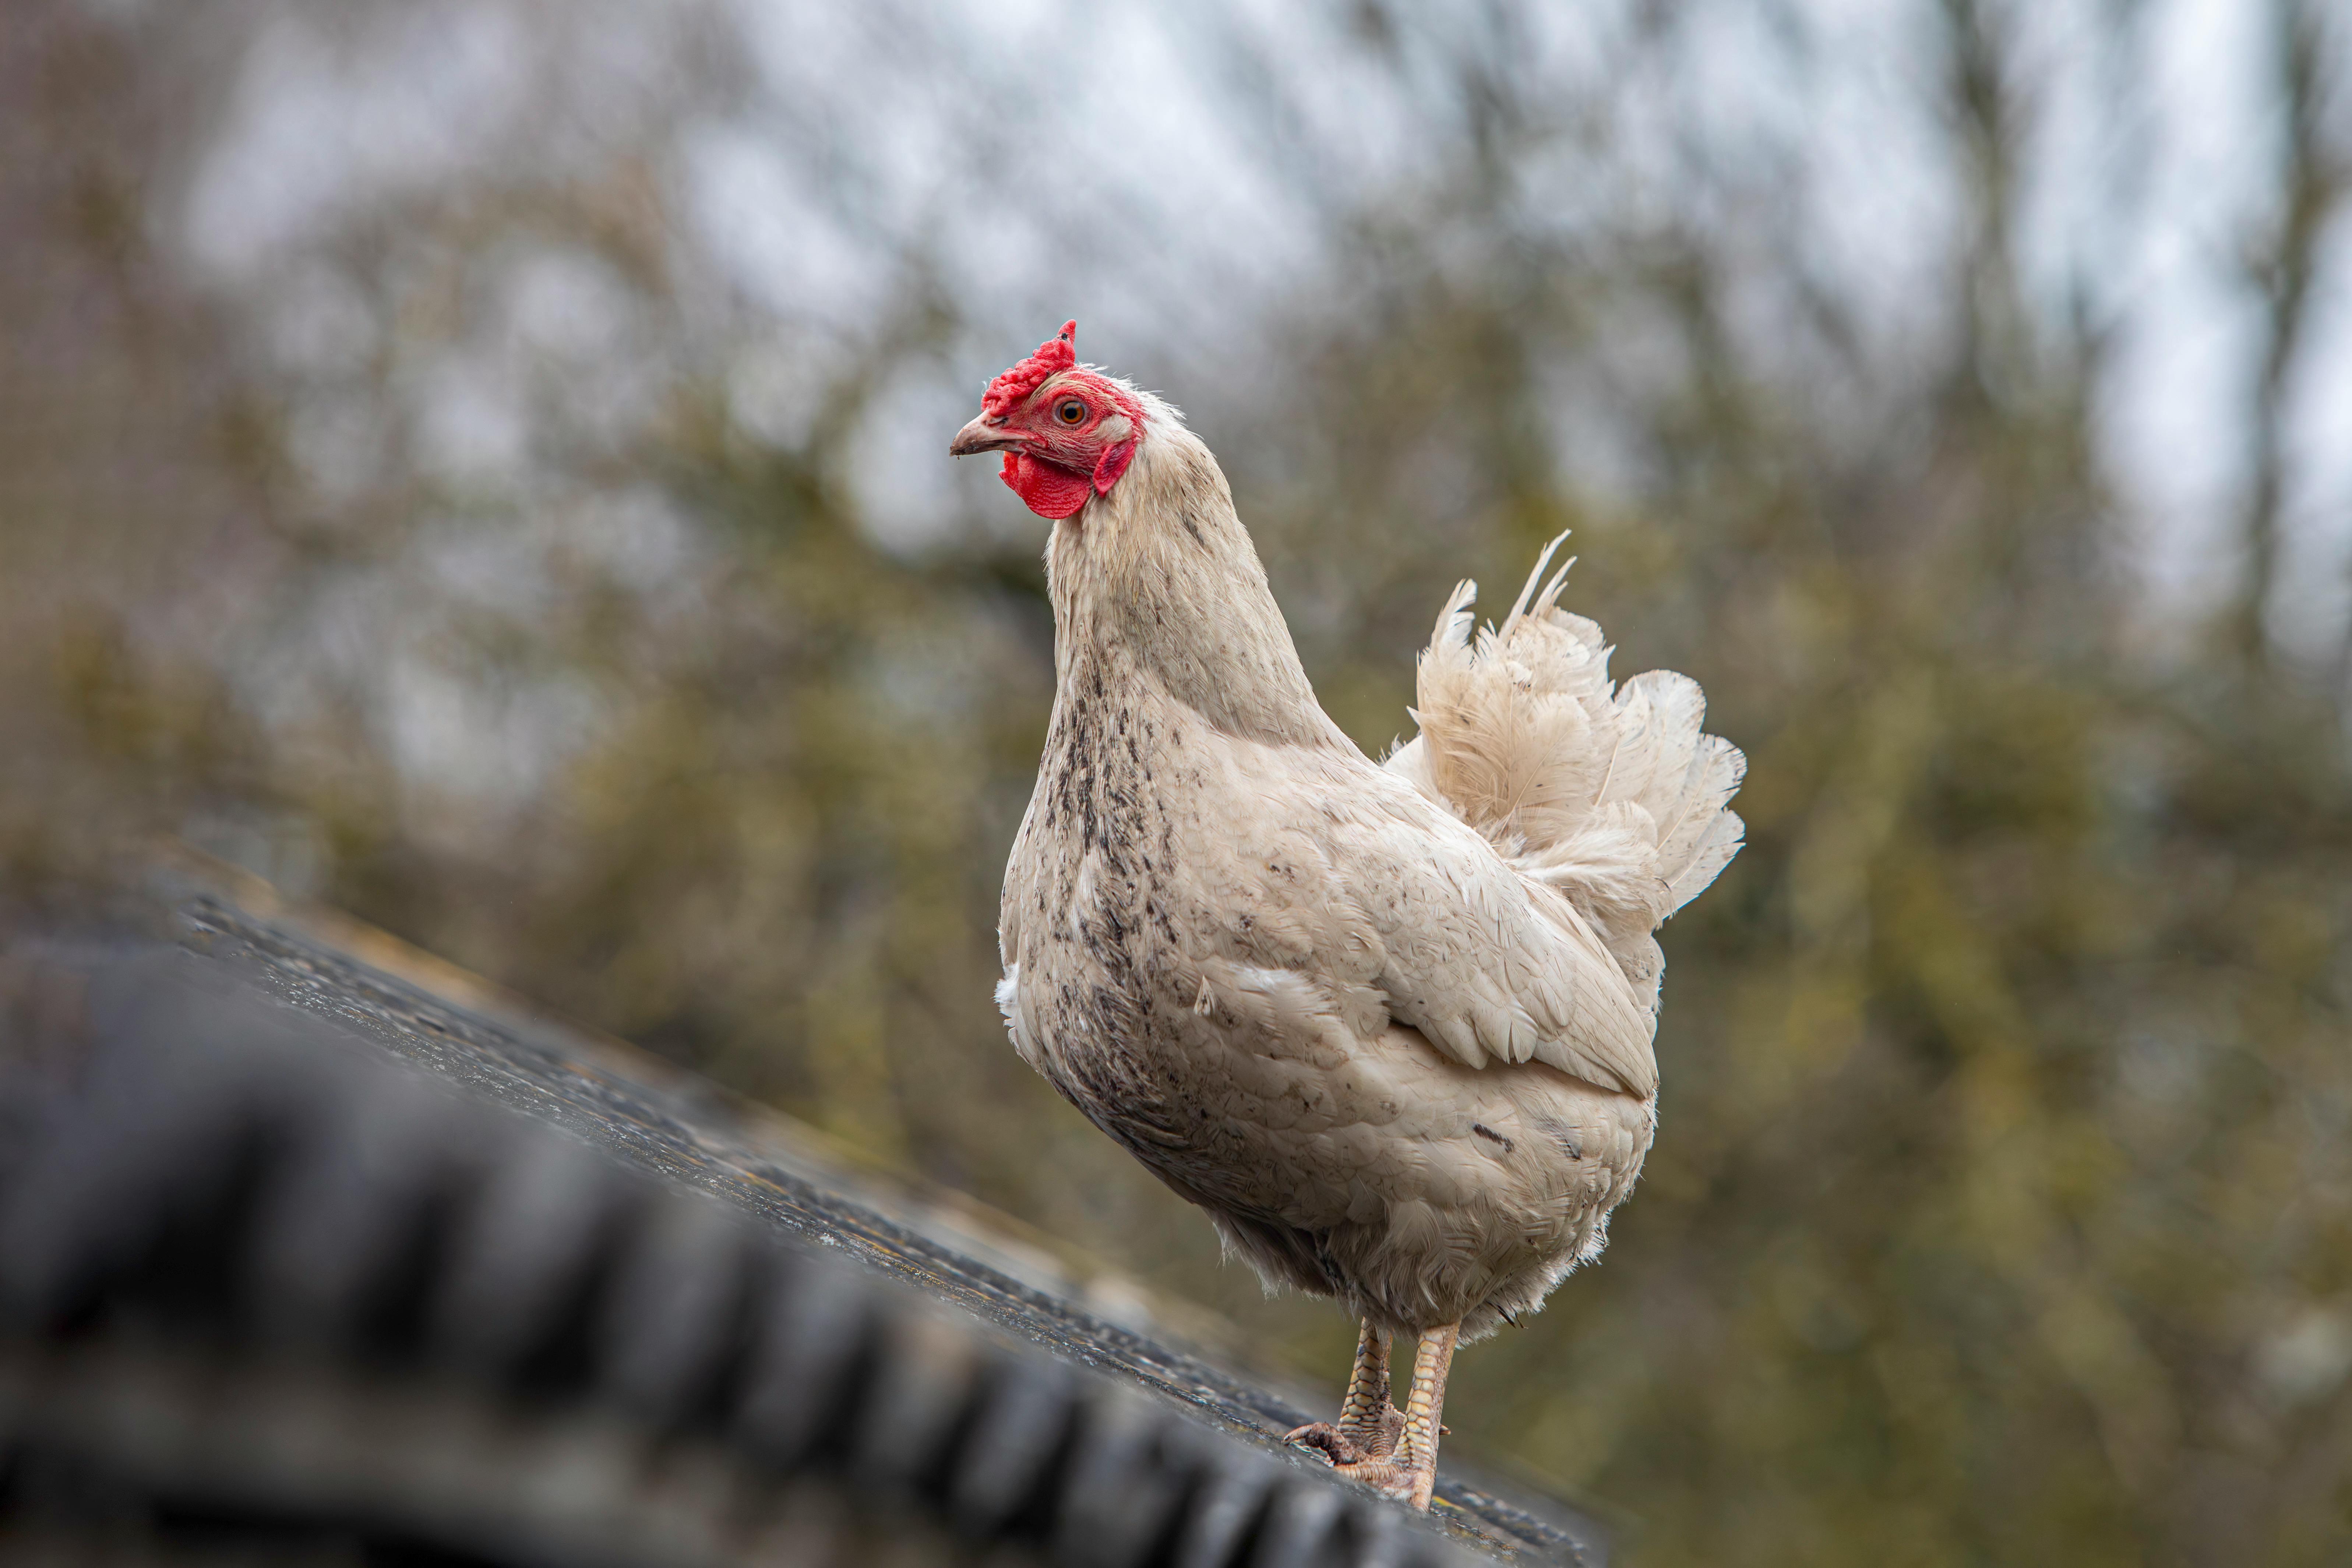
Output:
x,y
1390,1026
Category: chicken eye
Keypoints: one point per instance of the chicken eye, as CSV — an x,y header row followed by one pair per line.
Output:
x,y
1069,410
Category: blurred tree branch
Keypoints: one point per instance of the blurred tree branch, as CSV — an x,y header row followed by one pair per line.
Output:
x,y
2310,184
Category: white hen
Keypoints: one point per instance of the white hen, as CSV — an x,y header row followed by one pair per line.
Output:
x,y
1389,1026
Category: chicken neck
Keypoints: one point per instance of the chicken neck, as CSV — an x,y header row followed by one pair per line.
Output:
x,y
1159,583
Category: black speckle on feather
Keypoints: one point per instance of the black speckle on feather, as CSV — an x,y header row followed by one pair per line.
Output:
x,y
1563,1135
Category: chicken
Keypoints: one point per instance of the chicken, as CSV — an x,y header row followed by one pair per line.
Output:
x,y
1389,1025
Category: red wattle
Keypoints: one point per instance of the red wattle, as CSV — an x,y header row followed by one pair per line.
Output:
x,y
1047,488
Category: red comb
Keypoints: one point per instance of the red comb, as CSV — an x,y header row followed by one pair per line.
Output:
x,y
1053,356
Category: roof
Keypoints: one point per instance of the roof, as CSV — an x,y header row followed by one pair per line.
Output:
x,y
335,1243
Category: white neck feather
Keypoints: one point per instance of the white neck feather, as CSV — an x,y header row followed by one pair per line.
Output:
x,y
1158,582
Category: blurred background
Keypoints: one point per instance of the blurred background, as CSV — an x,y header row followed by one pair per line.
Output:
x,y
481,464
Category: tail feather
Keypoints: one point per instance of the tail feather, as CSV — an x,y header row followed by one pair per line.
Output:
x,y
1699,842
1612,793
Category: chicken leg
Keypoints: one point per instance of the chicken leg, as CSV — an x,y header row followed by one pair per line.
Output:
x,y
1368,1425
1394,1453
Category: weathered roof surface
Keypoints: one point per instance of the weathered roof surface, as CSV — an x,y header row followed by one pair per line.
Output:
x,y
392,1246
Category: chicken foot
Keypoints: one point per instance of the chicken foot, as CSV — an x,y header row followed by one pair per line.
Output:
x,y
1393,1452
1368,1425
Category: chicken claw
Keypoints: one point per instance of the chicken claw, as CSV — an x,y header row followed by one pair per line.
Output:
x,y
1368,1425
1324,1438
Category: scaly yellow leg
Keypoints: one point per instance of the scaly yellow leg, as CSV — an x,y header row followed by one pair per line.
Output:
x,y
1423,1405
1369,1424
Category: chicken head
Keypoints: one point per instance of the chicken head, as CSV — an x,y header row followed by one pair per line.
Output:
x,y
1065,432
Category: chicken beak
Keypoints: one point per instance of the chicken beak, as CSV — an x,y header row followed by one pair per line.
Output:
x,y
982,434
